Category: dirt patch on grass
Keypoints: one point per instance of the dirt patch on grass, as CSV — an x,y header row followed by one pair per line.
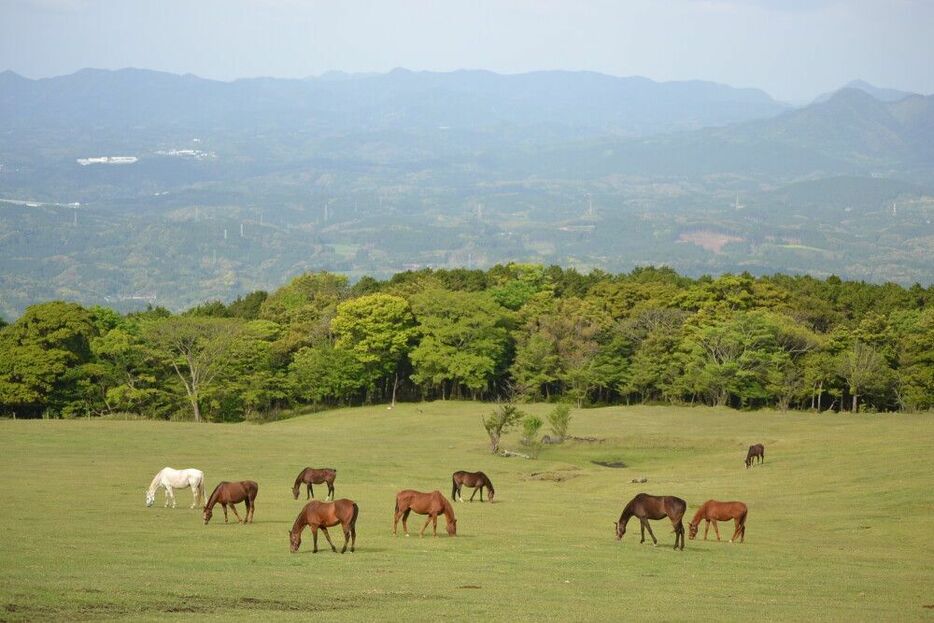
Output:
x,y
586,439
616,464
553,476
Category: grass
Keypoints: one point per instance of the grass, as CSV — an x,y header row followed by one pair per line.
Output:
x,y
839,526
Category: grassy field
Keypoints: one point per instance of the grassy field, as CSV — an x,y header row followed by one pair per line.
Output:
x,y
840,522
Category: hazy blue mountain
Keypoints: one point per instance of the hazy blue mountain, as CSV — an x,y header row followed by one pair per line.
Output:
x,y
850,133
881,94
398,99
241,185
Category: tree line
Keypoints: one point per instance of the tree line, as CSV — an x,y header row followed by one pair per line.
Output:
x,y
516,331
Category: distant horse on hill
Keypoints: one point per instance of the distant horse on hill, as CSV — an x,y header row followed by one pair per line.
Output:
x,y
476,480
230,493
713,511
431,504
311,476
172,479
324,515
645,507
755,451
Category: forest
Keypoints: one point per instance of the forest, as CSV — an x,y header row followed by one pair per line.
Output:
x,y
514,332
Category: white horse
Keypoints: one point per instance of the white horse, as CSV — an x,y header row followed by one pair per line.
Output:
x,y
178,479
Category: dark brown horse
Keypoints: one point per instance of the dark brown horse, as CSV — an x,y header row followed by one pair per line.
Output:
x,y
311,476
325,515
713,511
232,493
475,480
431,504
757,450
645,507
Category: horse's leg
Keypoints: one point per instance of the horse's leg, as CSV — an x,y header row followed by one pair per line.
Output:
x,y
651,534
427,521
706,528
314,539
405,518
475,493
481,493
434,524
353,536
736,530
224,506
167,495
194,496
311,488
330,490
716,529
642,526
307,491
233,507
328,537
346,530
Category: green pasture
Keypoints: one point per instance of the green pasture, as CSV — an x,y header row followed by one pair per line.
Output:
x,y
840,523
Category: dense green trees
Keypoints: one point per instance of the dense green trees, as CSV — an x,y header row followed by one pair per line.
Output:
x,y
518,331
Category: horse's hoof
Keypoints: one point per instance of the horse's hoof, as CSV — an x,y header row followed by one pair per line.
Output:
x,y
654,544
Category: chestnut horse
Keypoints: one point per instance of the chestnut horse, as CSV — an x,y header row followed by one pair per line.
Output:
x,y
431,504
645,507
232,493
325,515
310,476
713,511
476,480
757,450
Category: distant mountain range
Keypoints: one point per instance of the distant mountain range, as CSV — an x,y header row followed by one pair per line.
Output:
x,y
883,95
192,189
398,99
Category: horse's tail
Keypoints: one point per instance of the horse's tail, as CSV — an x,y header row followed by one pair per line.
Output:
x,y
201,497
454,487
353,517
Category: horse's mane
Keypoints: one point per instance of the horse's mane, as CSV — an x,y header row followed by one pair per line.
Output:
x,y
448,509
155,481
300,523
487,482
627,511
213,499
298,479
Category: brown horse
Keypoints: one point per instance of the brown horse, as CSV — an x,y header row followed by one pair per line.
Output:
x,y
431,504
757,450
325,515
476,480
232,493
645,507
713,511
310,476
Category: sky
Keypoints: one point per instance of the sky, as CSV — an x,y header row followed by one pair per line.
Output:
x,y
792,49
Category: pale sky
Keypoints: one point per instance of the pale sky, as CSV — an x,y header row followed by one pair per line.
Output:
x,y
793,49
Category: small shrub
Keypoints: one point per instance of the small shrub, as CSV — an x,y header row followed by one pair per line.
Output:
x,y
560,418
531,425
503,417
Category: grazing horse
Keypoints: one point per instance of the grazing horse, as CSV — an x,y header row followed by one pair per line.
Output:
x,y
757,450
232,493
431,504
476,480
325,515
645,507
172,479
714,511
310,476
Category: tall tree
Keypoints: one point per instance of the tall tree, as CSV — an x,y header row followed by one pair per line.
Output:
x,y
40,352
464,340
379,329
863,369
194,348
